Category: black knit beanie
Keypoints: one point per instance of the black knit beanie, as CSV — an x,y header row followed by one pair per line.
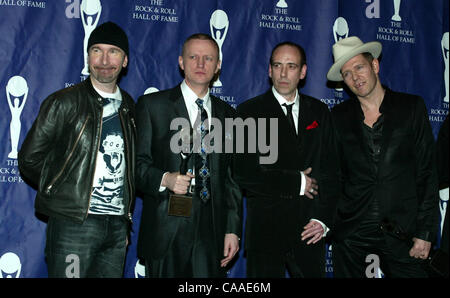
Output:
x,y
109,33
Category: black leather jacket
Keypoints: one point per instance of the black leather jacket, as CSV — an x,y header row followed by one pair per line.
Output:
x,y
58,155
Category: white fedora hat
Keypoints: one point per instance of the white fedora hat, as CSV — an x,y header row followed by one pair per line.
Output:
x,y
347,48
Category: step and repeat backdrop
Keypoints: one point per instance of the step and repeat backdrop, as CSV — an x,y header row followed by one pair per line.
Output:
x,y
43,49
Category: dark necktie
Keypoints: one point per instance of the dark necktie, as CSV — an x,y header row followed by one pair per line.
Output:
x,y
289,116
202,160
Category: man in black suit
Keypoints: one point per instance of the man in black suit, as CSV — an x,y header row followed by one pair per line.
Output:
x,y
202,243
284,202
388,210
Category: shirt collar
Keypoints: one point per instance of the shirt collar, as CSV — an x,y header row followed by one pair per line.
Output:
x,y
281,100
190,97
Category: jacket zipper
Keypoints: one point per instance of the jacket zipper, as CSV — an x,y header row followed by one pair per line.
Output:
x,y
97,138
49,187
128,161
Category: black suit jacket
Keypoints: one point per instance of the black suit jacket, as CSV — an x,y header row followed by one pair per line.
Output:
x,y
406,183
443,171
276,213
154,113
442,145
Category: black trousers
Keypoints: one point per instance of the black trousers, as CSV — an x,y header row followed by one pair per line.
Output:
x,y
301,261
356,256
193,252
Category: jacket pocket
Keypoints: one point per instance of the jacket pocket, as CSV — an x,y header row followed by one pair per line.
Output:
x,y
56,178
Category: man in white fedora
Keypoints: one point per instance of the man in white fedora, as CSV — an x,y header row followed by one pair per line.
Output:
x,y
388,209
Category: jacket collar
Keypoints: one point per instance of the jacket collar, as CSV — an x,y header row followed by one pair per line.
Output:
x,y
176,96
384,107
95,95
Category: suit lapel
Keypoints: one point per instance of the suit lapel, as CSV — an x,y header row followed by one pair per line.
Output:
x,y
213,158
215,112
275,111
179,104
356,122
288,146
305,118
388,125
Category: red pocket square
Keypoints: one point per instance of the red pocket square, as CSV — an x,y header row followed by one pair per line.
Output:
x,y
312,125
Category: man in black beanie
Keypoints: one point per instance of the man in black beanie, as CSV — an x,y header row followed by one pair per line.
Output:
x,y
80,155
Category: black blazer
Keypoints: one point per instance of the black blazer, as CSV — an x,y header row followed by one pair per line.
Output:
x,y
406,183
276,213
154,113
443,171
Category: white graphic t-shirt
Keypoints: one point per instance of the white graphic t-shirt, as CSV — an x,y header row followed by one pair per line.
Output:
x,y
108,187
